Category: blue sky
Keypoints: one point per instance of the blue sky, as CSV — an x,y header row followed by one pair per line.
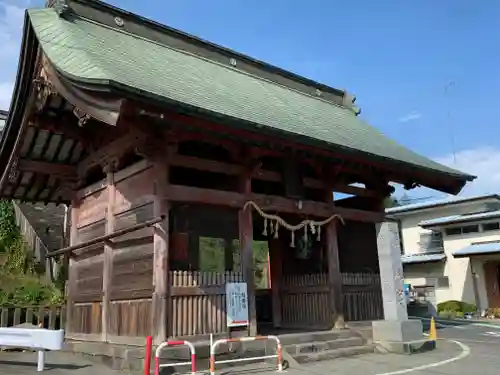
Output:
x,y
396,56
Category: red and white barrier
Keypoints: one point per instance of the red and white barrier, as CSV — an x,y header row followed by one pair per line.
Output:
x,y
175,343
278,355
147,358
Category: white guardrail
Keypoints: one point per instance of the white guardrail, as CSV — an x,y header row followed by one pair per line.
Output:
x,y
39,339
278,355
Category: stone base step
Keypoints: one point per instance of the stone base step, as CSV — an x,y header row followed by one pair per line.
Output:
x,y
298,348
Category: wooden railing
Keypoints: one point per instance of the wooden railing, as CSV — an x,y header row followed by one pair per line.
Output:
x,y
362,296
199,302
50,317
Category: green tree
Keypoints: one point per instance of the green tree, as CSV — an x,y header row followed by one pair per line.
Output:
x,y
391,202
20,285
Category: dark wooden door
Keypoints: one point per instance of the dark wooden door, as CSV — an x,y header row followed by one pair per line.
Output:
x,y
492,280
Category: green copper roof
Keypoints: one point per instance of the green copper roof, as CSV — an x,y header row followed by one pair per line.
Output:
x,y
90,52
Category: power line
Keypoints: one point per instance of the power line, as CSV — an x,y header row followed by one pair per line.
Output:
x,y
450,123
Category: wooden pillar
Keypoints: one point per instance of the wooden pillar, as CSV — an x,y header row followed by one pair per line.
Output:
x,y
161,281
246,239
334,277
276,268
71,270
107,266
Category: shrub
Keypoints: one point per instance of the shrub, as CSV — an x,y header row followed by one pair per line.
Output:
x,y
22,290
456,306
448,306
494,311
446,314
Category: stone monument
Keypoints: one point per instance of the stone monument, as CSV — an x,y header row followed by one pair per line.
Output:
x,y
396,333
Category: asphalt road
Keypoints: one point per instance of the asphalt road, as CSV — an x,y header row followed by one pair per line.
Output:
x,y
483,341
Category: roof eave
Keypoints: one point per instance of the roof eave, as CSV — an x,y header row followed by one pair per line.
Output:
x,y
451,222
476,254
423,262
19,101
403,211
454,182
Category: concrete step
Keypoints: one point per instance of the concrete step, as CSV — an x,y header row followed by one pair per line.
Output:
x,y
335,353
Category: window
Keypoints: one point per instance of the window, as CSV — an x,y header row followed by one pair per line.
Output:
x,y
431,241
443,282
453,231
470,229
491,226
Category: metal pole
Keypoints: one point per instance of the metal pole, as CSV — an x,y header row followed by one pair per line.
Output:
x,y
106,237
41,361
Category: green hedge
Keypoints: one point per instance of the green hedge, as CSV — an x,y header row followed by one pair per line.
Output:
x,y
456,307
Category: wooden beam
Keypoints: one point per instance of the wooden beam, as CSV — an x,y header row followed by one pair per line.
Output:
x,y
63,171
181,193
114,149
379,166
206,165
63,125
259,174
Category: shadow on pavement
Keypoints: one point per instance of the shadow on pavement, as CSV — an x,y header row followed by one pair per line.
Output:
x,y
48,366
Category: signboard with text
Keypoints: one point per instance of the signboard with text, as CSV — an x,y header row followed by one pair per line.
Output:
x,y
237,304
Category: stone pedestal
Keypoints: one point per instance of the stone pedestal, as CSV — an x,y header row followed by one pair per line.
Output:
x,y
396,333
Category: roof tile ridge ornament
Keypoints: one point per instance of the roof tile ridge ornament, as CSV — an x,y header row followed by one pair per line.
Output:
x,y
81,115
44,89
348,101
60,6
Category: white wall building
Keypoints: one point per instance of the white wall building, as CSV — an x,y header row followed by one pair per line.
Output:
x,y
451,249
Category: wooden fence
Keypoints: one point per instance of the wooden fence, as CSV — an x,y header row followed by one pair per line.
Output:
x,y
304,301
362,296
199,302
198,305
50,317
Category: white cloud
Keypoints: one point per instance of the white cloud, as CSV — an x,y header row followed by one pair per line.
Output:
x,y
412,116
5,95
482,162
